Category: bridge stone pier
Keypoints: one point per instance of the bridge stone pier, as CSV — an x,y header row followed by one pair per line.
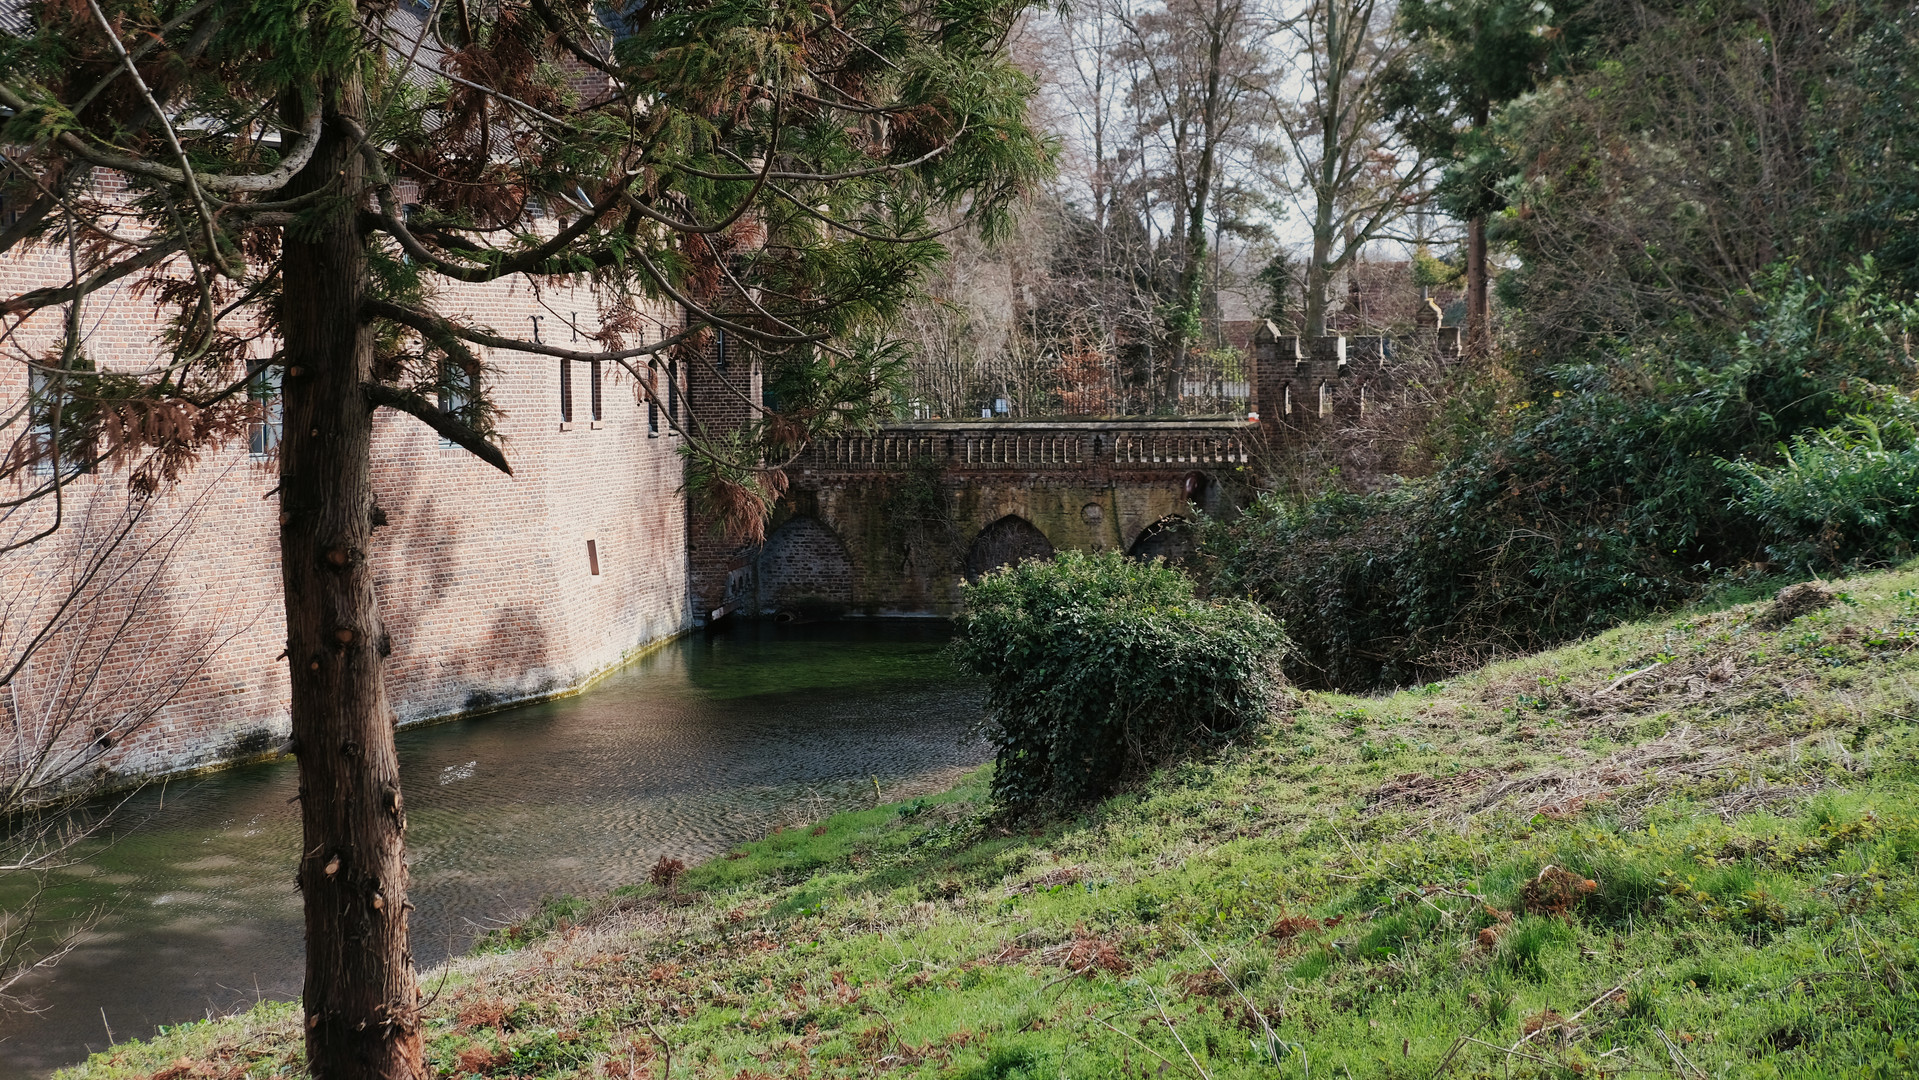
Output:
x,y
890,524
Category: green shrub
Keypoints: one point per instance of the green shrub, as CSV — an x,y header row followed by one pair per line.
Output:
x,y
1838,495
1100,665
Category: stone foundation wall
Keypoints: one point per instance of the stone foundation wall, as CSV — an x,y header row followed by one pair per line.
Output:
x,y
803,563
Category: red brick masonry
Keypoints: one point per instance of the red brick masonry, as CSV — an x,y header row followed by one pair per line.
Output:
x,y
485,580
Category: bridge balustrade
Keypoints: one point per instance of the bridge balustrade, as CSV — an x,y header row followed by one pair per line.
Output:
x,y
1180,450
1149,444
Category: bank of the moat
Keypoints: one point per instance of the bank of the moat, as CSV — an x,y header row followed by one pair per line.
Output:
x,y
1543,869
713,739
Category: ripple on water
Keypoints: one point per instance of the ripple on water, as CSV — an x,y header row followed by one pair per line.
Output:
x,y
706,743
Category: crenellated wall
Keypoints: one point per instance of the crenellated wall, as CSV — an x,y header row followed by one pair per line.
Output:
x,y
1303,385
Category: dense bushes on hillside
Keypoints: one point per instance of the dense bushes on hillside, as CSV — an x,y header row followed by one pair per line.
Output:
x,y
1705,361
1098,665
1601,494
1840,494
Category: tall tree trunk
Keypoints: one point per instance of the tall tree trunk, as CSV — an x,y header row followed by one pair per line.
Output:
x,y
1185,323
1478,311
1192,282
362,1001
1319,276
1326,187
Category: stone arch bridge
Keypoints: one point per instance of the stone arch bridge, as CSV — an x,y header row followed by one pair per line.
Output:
x,y
891,523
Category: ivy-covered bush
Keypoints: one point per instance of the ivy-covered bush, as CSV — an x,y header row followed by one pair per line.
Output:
x,y
1099,666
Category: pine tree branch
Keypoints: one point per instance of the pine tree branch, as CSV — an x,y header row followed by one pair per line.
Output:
x,y
30,218
439,330
820,177
36,299
295,160
450,427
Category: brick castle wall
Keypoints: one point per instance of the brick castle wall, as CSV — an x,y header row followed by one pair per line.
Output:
x,y
486,581
1302,386
723,380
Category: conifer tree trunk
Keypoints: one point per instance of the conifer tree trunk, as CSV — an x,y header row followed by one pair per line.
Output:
x,y
361,998
1478,308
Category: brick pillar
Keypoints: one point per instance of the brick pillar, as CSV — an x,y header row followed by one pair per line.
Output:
x,y
1324,376
1275,356
715,378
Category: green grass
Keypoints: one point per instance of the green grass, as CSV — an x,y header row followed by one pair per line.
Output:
x,y
1711,870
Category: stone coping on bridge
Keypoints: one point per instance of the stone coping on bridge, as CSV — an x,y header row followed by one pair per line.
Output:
x,y
1173,423
1028,444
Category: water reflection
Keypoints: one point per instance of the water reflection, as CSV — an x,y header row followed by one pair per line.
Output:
x,y
710,741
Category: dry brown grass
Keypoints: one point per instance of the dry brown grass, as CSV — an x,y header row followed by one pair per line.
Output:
x,y
484,1059
1555,891
1084,955
481,1012
1734,694
183,1069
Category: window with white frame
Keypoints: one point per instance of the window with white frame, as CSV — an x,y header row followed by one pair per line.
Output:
x,y
269,412
455,393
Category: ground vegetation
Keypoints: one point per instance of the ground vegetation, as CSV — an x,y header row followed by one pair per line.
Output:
x,y
1679,848
1100,666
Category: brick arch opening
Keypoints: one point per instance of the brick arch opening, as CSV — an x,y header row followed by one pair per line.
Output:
x,y
1169,538
1009,540
805,570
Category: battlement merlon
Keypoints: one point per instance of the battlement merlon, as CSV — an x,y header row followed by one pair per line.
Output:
x,y
1297,380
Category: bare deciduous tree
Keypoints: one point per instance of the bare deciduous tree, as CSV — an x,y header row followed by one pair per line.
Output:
x,y
1724,141
1353,176
1198,90
92,649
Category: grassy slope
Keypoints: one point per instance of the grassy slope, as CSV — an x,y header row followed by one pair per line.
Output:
x,y
1732,835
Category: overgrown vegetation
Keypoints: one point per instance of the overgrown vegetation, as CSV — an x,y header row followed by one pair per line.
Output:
x,y
1100,665
1705,366
1601,494
1839,494
1679,849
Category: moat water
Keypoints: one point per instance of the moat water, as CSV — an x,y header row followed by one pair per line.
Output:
x,y
710,741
